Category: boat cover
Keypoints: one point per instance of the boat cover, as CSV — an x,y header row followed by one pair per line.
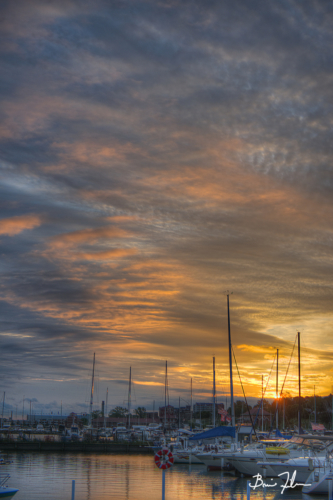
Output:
x,y
278,434
223,430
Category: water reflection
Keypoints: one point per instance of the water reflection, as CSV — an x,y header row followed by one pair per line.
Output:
x,y
125,477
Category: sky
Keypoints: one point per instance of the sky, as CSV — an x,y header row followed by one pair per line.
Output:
x,y
153,156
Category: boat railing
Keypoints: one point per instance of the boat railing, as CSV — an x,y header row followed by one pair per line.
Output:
x,y
4,478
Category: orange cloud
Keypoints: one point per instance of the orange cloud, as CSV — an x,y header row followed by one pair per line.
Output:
x,y
116,253
76,238
153,383
258,349
15,225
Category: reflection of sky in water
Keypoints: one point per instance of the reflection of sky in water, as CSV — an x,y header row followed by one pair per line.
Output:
x,y
125,477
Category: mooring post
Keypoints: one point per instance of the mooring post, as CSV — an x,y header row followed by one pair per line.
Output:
x,y
73,489
248,490
329,488
163,484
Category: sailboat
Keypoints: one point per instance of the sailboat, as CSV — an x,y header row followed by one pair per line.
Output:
x,y
6,491
262,461
92,393
88,430
223,432
320,481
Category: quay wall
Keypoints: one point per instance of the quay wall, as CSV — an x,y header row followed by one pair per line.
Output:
x,y
75,447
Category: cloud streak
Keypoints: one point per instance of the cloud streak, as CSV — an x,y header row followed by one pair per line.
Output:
x,y
15,225
153,156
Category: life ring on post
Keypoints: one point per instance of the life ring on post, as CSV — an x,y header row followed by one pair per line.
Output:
x,y
163,459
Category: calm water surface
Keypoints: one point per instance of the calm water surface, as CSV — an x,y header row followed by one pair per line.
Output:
x,y
125,477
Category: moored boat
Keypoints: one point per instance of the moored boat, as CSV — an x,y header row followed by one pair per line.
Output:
x,y
302,466
6,491
252,462
319,482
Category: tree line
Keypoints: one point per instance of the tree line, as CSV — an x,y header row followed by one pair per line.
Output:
x,y
121,412
312,408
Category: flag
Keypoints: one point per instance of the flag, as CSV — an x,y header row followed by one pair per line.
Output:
x,y
318,427
225,417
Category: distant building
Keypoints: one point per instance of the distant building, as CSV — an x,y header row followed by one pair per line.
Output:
x,y
45,420
200,407
111,422
245,417
183,414
167,415
73,419
54,420
153,415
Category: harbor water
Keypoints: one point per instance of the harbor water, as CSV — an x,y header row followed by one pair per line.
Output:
x,y
44,476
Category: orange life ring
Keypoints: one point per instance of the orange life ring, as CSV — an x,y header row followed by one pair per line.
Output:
x,y
163,459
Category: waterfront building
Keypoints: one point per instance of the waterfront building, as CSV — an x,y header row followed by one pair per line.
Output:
x,y
45,419
202,407
111,422
245,417
168,415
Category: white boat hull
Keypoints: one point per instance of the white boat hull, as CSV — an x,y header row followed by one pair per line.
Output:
x,y
301,466
216,460
7,492
185,458
318,483
247,464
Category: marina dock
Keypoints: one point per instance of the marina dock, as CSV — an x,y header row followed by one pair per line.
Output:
x,y
74,447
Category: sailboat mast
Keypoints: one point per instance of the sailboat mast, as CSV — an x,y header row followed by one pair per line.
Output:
x,y
191,405
106,407
262,403
230,366
129,397
332,406
214,391
3,408
299,382
314,397
92,390
277,388
165,392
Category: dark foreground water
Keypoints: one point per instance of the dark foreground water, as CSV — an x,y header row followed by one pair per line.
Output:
x,y
125,477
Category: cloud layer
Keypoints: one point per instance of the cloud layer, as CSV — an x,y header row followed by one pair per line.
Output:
x,y
153,156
